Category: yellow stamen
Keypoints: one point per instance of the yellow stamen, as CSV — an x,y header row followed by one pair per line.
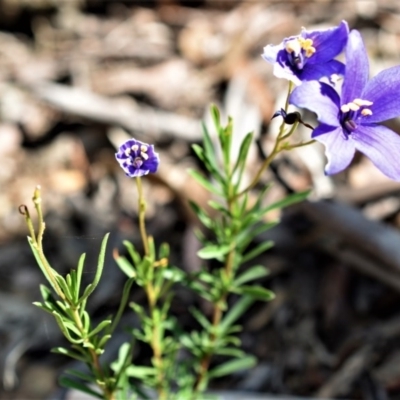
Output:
x,y
293,45
135,147
366,112
143,148
144,156
345,108
353,107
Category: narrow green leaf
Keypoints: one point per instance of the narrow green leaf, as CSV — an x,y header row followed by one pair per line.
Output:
x,y
216,116
257,251
287,201
103,341
201,319
213,251
256,272
65,326
46,293
219,207
69,353
229,351
102,325
233,366
242,156
201,214
163,251
257,293
100,264
140,372
64,287
79,273
69,383
81,375
125,266
132,252
41,266
203,181
210,155
124,300
238,309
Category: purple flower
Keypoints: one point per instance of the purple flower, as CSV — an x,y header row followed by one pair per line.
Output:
x,y
137,158
350,122
310,55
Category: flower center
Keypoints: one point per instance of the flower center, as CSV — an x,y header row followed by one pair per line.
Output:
x,y
299,49
351,111
137,155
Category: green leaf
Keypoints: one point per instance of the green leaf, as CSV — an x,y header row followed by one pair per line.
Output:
x,y
257,293
124,354
287,201
163,251
64,287
245,237
69,353
173,274
100,264
79,272
233,366
213,251
238,309
69,383
201,319
203,181
140,372
125,266
80,375
124,300
103,341
244,150
132,252
257,251
65,326
216,116
256,272
219,207
226,141
102,325
201,214
229,351
41,266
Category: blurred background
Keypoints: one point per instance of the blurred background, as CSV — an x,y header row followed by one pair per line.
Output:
x,y
78,77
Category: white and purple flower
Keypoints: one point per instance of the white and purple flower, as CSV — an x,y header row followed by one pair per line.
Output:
x,y
350,121
310,55
137,158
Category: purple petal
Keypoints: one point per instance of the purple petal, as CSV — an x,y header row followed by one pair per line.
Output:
x,y
314,72
328,42
357,68
382,146
319,98
384,91
338,150
322,129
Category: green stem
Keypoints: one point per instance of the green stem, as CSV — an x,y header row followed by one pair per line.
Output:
x,y
274,151
142,212
94,364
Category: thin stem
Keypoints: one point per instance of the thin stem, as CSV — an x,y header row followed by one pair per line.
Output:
x,y
274,151
218,305
94,365
301,144
142,212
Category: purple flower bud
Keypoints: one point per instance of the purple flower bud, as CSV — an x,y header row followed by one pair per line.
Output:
x,y
137,158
